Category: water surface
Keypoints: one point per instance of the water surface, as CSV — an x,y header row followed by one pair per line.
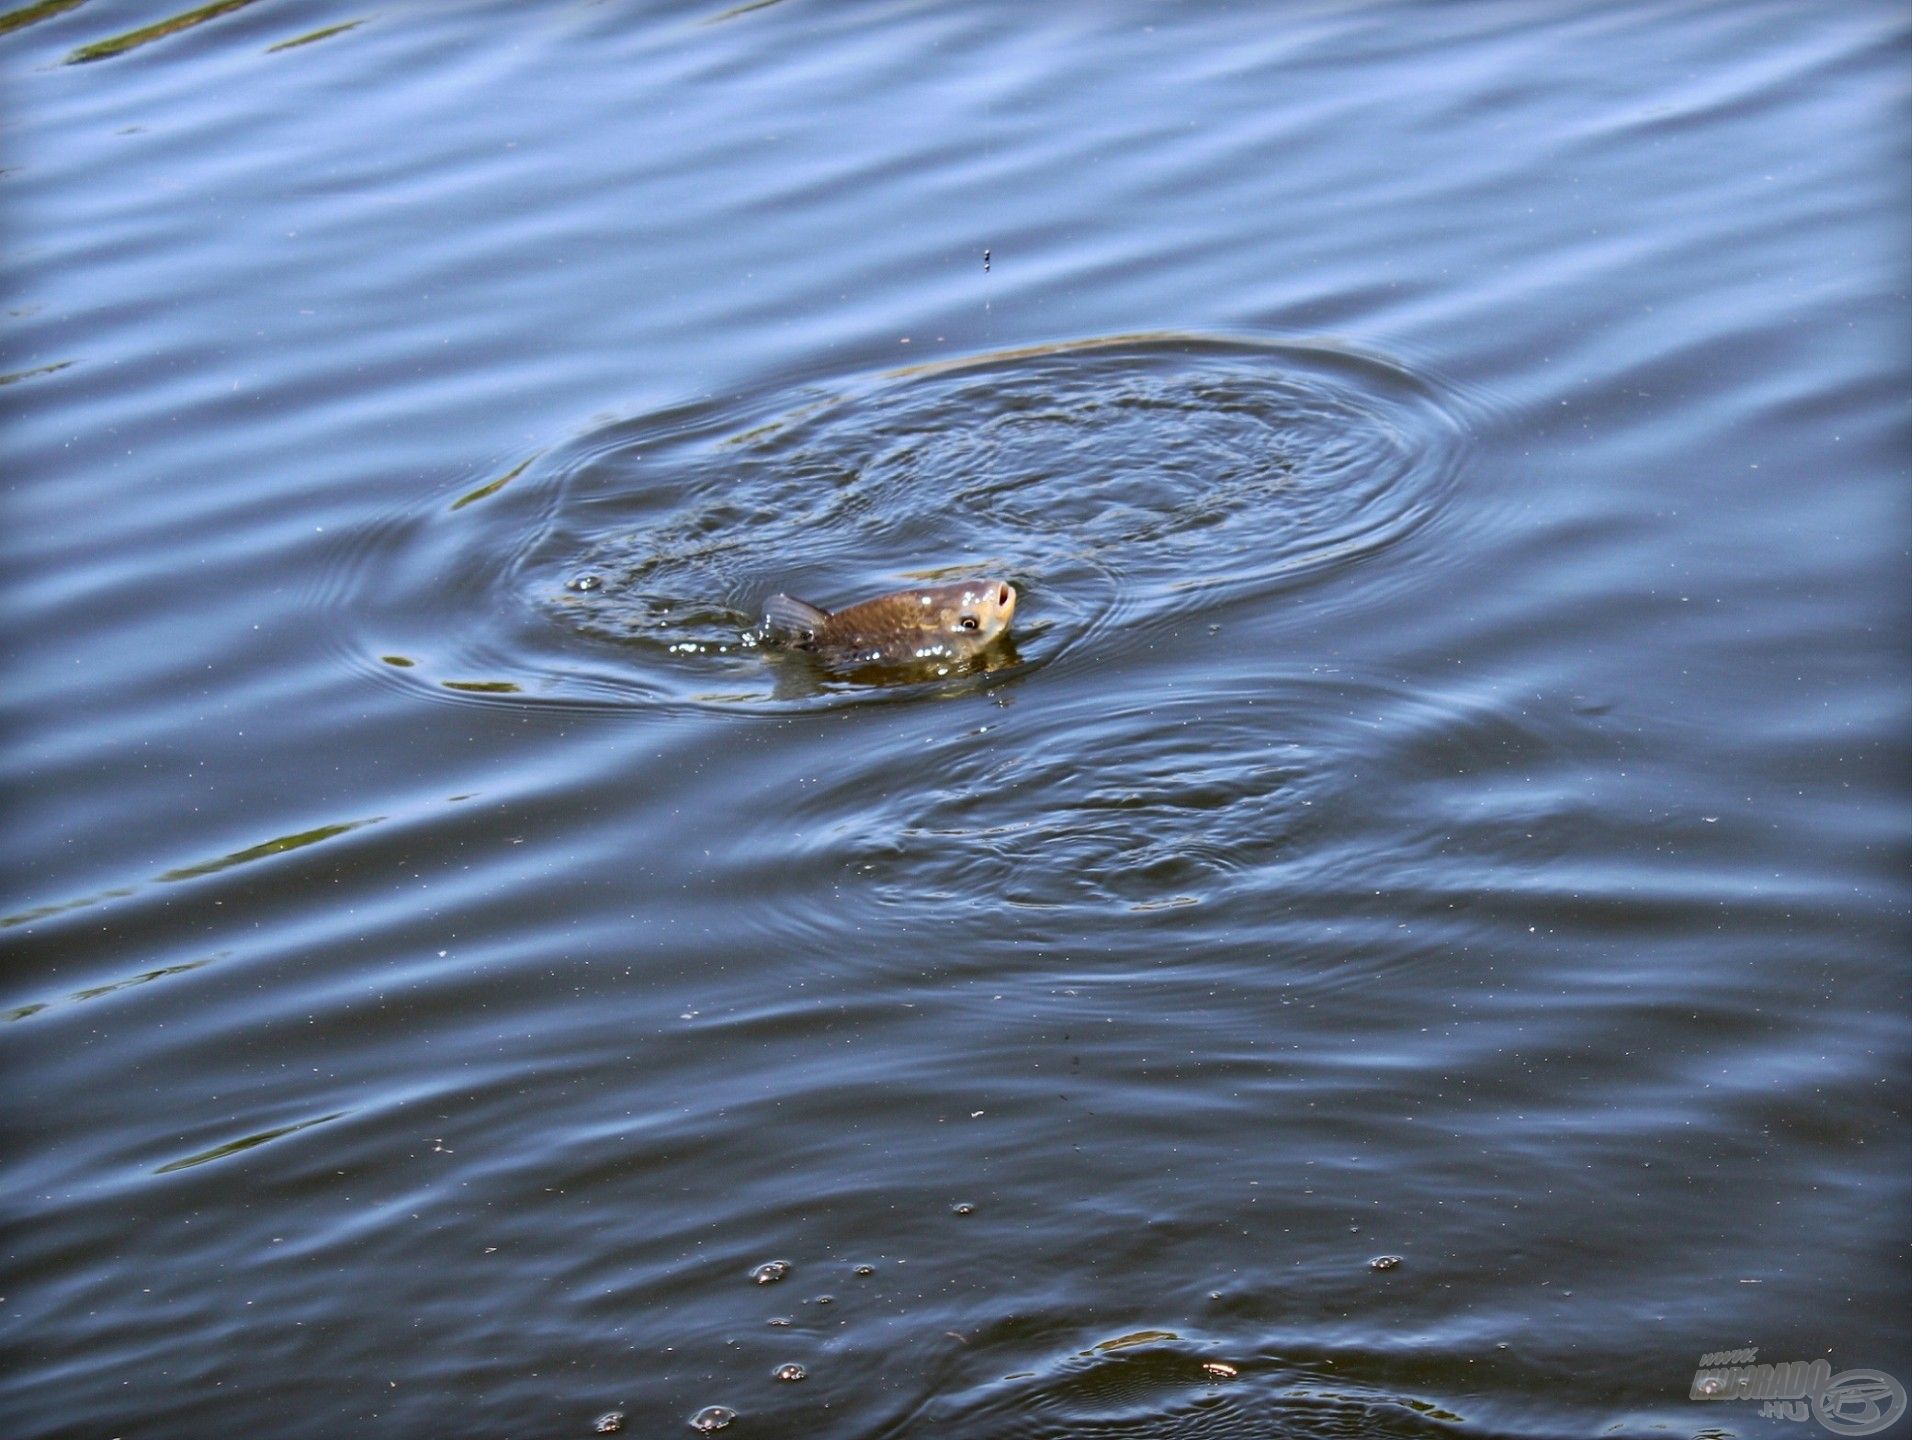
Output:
x,y
1411,945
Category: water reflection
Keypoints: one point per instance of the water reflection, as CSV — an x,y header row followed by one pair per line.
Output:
x,y
95,992
265,850
28,14
280,845
803,675
243,1144
14,377
316,35
133,39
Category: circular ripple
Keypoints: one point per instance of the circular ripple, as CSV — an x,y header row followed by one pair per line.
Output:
x,y
1119,483
1295,790
1177,801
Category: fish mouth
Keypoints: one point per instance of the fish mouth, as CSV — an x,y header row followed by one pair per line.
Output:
x,y
1005,598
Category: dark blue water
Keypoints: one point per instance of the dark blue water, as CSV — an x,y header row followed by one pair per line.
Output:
x,y
1410,942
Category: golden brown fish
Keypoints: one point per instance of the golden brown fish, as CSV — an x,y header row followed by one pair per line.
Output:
x,y
909,627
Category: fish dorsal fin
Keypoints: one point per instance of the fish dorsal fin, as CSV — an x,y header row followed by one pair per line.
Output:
x,y
793,616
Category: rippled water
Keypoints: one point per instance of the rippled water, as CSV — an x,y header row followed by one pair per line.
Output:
x,y
1122,483
1408,941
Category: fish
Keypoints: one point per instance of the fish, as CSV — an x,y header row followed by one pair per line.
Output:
x,y
927,625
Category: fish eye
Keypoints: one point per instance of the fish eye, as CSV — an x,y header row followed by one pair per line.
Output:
x,y
968,622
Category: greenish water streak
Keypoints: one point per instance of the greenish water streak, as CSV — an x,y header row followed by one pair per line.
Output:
x,y
133,39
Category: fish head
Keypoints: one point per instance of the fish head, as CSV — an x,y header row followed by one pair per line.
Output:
x,y
975,612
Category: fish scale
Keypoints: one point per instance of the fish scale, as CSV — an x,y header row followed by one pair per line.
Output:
x,y
935,622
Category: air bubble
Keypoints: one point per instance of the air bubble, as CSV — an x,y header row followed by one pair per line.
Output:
x,y
771,1271
712,1417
